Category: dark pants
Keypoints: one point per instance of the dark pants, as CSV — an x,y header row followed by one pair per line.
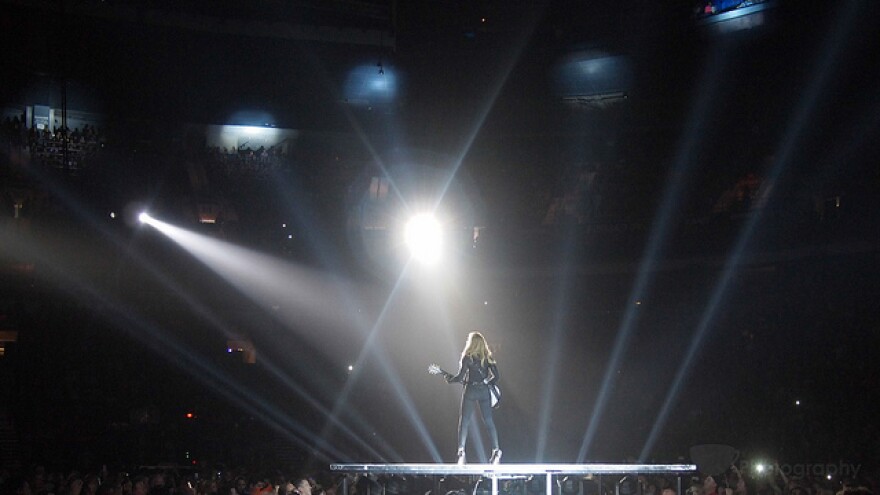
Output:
x,y
476,394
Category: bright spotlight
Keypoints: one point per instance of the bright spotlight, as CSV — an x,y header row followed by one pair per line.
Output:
x,y
144,217
424,237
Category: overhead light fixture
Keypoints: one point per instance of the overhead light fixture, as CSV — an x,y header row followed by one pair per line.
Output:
x,y
424,237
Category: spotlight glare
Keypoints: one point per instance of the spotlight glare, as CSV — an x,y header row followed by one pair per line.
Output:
x,y
144,217
424,238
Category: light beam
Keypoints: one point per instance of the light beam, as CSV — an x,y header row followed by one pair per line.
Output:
x,y
794,132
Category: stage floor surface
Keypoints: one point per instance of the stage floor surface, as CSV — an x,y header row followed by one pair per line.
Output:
x,y
515,469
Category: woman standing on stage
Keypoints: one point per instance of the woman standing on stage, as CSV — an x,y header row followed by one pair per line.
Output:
x,y
476,372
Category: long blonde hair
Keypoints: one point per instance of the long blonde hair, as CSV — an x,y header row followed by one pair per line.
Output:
x,y
477,347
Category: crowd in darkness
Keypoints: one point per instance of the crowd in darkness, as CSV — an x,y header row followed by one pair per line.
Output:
x,y
158,480
598,194
773,480
234,161
47,149
163,480
48,146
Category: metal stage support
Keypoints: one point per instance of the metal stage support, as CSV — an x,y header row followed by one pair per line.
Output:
x,y
497,472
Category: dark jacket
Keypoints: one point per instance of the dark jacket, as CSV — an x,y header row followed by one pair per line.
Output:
x,y
472,372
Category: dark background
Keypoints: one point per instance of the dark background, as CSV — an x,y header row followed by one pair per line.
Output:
x,y
114,346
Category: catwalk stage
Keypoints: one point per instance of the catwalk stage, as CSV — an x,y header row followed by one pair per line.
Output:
x,y
551,473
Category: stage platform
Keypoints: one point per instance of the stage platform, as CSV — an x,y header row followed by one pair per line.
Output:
x,y
496,472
